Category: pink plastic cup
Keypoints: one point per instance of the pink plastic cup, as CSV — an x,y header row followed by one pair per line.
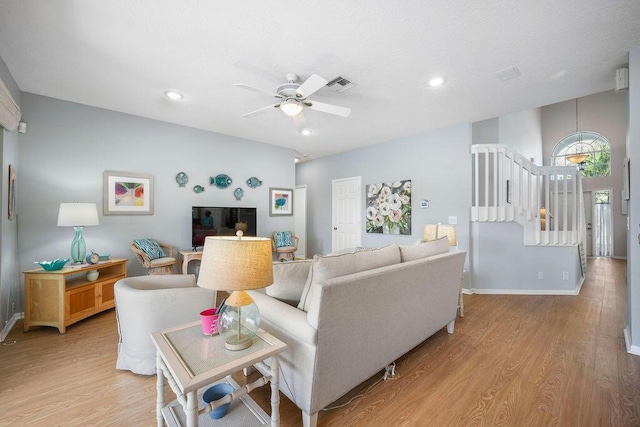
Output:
x,y
209,321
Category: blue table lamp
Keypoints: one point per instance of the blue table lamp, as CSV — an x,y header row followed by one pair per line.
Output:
x,y
78,215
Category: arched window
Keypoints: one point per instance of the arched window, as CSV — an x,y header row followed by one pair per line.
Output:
x,y
588,150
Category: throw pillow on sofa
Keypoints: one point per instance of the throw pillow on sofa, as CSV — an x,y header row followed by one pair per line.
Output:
x,y
289,279
150,247
328,267
424,249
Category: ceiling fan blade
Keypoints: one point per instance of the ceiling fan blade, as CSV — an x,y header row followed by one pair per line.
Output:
x,y
259,110
329,108
311,85
300,122
255,89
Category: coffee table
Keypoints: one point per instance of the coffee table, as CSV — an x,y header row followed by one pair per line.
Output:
x,y
191,362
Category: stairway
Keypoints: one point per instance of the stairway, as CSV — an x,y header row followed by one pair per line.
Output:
x,y
546,200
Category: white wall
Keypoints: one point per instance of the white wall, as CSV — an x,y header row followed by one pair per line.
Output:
x,y
606,114
486,132
521,132
504,265
68,146
633,243
437,163
10,289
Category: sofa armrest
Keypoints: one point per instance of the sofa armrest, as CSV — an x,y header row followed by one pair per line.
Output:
x,y
285,317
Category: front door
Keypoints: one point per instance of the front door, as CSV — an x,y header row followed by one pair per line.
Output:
x,y
346,213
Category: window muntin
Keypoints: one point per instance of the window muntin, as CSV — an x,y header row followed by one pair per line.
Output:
x,y
597,146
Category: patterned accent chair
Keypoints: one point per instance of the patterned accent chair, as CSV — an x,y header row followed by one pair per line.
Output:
x,y
155,256
284,244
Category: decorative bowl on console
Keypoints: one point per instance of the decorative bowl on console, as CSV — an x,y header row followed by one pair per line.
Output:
x,y
54,265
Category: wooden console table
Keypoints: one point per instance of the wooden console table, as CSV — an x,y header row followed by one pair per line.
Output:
x,y
63,297
188,256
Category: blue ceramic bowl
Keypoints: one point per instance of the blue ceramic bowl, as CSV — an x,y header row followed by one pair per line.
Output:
x,y
216,392
54,265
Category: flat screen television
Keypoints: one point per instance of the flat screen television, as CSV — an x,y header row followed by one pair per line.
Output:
x,y
220,221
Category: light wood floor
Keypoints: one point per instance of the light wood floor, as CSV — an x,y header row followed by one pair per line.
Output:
x,y
513,360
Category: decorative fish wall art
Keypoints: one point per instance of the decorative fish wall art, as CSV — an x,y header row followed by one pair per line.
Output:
x,y
220,181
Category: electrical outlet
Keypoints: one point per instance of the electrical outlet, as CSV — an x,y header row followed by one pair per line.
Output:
x,y
13,307
453,220
540,275
565,275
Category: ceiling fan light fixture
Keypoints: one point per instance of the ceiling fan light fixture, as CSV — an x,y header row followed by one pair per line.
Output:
x,y
291,107
172,94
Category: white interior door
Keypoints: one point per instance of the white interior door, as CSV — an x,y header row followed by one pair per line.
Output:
x,y
346,213
300,220
588,219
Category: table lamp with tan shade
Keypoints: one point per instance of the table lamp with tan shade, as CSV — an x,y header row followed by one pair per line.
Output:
x,y
437,231
237,264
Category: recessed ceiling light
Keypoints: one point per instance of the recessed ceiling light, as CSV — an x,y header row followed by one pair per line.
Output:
x,y
172,94
436,81
306,132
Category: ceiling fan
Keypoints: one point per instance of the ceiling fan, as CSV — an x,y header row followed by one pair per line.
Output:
x,y
293,97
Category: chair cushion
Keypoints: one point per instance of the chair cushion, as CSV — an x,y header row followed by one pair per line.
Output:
x,y
424,249
283,238
150,247
287,249
159,262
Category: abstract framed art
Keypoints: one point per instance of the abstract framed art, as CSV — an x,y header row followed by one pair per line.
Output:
x,y
127,193
280,201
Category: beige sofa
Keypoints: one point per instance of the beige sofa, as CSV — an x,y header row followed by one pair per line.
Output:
x,y
358,312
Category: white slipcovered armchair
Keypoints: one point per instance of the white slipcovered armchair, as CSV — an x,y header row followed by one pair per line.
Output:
x,y
147,304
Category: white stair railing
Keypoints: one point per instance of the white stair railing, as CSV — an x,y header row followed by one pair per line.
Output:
x,y
546,201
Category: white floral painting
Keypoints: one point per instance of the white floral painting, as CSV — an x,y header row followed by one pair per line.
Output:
x,y
389,207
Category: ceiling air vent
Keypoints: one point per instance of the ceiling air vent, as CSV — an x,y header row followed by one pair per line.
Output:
x,y
508,74
340,84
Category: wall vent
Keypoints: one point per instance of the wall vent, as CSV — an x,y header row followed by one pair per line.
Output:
x,y
340,84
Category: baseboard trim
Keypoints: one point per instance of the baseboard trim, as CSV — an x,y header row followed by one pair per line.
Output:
x,y
631,349
619,257
573,292
579,285
10,324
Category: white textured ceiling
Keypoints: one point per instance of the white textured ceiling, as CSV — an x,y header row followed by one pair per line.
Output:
x,y
123,54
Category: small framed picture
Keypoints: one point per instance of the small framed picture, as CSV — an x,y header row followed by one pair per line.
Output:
x,y
126,193
280,201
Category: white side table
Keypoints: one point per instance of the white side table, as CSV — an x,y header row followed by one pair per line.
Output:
x,y
187,257
192,361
